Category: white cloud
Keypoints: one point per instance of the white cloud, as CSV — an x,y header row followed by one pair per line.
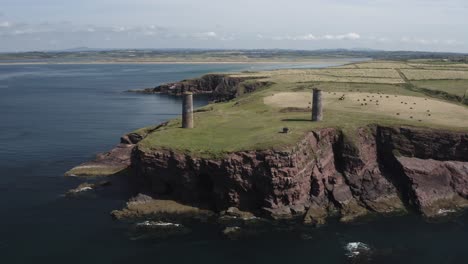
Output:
x,y
202,35
210,34
348,36
5,24
307,37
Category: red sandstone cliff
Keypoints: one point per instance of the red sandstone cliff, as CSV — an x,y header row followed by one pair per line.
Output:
x,y
381,170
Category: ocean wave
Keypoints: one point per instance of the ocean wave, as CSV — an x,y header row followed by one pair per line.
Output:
x,y
354,249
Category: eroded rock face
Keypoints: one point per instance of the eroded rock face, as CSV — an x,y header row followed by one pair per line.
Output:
x,y
379,170
362,169
437,186
277,181
425,143
428,165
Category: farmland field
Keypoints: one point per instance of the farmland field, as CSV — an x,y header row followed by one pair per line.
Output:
x,y
456,87
422,74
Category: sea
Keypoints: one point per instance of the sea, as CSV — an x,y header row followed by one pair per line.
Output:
x,y
56,116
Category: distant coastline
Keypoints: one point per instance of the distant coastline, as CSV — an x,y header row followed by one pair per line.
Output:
x,y
309,61
340,56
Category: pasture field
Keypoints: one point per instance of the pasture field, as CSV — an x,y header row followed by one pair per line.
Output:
x,y
423,74
455,87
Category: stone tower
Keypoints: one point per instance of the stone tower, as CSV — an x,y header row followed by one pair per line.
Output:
x,y
187,110
317,110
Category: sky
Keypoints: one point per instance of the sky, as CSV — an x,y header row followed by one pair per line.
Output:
x,y
425,25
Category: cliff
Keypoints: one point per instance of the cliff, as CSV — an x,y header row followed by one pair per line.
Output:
x,y
220,87
365,157
380,170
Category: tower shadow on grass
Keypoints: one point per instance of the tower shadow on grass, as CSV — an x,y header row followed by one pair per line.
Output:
x,y
296,120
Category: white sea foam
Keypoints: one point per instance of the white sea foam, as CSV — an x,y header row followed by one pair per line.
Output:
x,y
158,223
445,211
84,189
354,249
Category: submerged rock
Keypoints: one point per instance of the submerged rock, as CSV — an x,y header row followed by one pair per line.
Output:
x,y
81,188
232,232
86,187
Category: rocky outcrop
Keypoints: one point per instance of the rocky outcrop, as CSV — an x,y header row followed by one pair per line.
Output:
x,y
105,164
220,87
116,160
145,207
378,169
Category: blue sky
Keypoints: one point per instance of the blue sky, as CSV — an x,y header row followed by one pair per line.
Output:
x,y
430,25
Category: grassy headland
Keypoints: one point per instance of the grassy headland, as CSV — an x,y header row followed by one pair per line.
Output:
x,y
377,92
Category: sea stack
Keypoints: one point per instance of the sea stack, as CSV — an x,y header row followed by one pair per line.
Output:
x,y
317,111
187,110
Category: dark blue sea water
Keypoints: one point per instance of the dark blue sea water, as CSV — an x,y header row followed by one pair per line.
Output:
x,y
53,117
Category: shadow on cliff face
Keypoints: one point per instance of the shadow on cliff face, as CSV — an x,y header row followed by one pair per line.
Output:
x,y
205,188
393,172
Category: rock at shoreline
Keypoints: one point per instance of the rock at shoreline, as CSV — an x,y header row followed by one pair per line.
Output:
x,y
145,207
106,164
235,217
235,212
316,215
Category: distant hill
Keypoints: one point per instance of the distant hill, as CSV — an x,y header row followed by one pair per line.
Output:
x,y
86,54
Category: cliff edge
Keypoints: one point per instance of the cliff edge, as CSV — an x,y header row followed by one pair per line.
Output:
x,y
382,170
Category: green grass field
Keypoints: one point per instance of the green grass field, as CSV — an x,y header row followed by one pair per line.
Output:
x,y
455,87
251,123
